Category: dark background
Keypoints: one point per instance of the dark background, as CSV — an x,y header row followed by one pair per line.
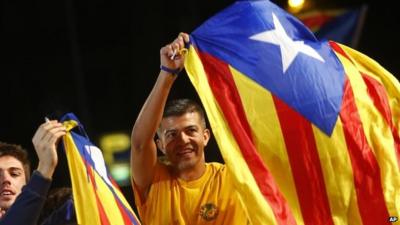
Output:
x,y
99,59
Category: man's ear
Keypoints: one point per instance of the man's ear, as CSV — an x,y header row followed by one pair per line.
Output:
x,y
206,135
160,145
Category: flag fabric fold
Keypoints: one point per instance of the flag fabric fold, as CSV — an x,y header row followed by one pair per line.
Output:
x,y
309,129
97,198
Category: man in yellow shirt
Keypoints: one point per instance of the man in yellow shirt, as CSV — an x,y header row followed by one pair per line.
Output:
x,y
183,189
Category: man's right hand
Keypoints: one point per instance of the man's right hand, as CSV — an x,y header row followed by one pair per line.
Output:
x,y
45,142
171,55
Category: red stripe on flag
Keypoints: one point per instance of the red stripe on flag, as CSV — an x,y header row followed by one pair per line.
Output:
x,y
126,214
103,216
224,89
378,94
122,209
339,50
367,177
114,183
305,165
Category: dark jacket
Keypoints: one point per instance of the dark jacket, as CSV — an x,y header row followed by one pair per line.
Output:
x,y
29,204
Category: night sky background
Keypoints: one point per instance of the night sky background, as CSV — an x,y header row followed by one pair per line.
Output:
x,y
99,59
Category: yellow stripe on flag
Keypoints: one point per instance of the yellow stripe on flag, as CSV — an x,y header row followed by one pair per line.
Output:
x,y
258,210
373,69
338,176
377,131
94,200
84,198
268,137
108,201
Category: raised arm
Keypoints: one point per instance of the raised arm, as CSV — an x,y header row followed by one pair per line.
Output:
x,y
45,142
28,205
143,147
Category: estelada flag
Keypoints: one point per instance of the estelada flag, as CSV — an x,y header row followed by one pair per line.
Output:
x,y
309,129
339,25
97,198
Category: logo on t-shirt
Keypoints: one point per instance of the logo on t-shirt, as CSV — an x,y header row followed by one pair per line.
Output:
x,y
208,211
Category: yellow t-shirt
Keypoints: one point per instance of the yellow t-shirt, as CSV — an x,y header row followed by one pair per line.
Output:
x,y
209,200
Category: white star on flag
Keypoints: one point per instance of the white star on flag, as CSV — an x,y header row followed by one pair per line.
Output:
x,y
289,48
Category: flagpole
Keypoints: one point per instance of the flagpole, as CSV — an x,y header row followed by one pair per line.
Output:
x,y
77,69
360,24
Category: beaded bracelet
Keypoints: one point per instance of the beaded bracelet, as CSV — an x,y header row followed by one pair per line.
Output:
x,y
169,70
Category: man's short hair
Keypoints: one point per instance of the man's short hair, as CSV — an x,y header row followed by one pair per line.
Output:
x,y
19,153
178,107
